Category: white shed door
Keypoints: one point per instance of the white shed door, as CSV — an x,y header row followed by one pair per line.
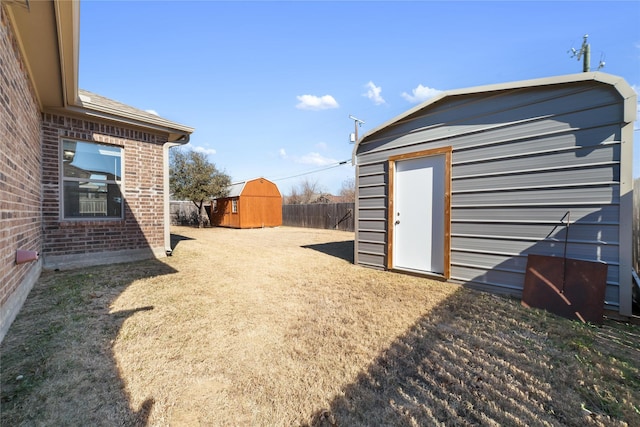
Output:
x,y
419,214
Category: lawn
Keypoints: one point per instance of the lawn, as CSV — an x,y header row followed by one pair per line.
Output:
x,y
277,327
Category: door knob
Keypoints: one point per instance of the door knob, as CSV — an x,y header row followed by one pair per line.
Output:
x,y
397,222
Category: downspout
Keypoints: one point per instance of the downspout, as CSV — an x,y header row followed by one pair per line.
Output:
x,y
166,190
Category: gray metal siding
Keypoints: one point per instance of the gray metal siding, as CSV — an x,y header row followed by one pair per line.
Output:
x,y
537,196
597,214
372,215
521,159
537,231
518,113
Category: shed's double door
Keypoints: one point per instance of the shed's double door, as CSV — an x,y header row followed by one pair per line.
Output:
x,y
419,214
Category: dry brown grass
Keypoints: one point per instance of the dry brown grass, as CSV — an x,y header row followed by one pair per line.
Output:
x,y
278,327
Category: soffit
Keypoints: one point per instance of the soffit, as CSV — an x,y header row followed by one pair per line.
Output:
x,y
36,32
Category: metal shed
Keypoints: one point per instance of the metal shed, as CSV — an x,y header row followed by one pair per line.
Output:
x,y
254,203
466,185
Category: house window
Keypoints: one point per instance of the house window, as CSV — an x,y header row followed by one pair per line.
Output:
x,y
91,180
234,206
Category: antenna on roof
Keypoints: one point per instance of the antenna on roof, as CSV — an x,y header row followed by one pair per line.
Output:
x,y
354,136
585,54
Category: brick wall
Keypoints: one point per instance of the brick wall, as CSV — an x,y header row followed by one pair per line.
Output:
x,y
30,188
20,174
143,225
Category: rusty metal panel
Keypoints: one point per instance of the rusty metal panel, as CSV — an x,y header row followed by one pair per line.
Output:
x,y
567,287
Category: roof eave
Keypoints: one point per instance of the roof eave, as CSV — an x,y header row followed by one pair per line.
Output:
x,y
47,36
47,33
177,133
68,29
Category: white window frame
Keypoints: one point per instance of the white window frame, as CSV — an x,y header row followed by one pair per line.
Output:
x,y
234,206
63,179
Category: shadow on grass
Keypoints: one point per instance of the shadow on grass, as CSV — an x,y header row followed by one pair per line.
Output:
x,y
342,250
177,238
57,361
479,359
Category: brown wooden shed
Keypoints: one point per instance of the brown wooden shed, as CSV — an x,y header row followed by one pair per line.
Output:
x,y
254,203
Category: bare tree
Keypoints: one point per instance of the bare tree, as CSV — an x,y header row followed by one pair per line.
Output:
x,y
309,190
306,191
348,190
294,197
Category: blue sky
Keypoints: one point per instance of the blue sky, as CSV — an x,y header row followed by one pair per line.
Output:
x,y
269,85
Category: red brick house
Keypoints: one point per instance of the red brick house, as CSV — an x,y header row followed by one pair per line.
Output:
x,y
81,176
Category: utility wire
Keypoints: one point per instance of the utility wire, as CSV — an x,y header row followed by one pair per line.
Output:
x,y
334,165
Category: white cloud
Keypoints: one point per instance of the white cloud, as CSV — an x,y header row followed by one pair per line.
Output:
x,y
282,153
420,94
321,145
203,150
154,112
312,102
373,93
315,159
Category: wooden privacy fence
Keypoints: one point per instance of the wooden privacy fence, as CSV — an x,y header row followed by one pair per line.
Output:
x,y
330,216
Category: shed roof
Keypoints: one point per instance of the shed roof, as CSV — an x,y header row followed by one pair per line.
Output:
x,y
626,92
235,189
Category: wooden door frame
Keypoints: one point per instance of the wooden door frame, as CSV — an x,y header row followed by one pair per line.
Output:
x,y
447,152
